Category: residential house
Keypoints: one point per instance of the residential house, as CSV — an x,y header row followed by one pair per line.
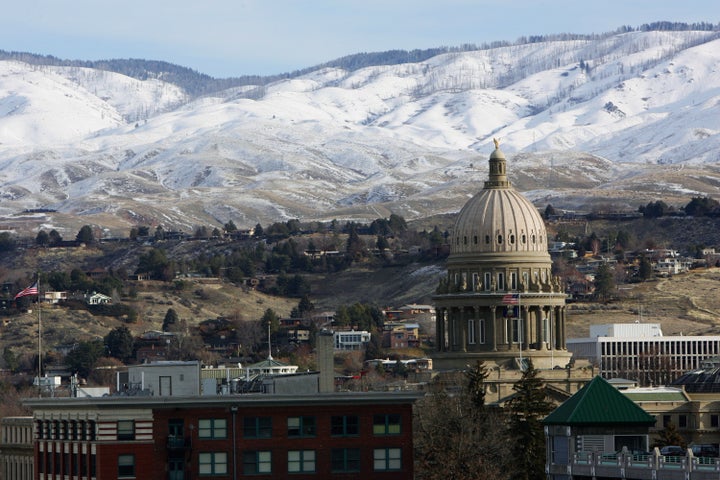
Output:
x,y
351,340
401,335
54,297
97,299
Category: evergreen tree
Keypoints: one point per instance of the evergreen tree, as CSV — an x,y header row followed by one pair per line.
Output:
x,y
55,237
669,436
230,227
42,239
171,318
355,246
549,211
120,343
382,243
645,270
85,235
604,282
271,318
527,408
476,388
83,358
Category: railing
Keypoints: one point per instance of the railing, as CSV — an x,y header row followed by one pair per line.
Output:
x,y
643,465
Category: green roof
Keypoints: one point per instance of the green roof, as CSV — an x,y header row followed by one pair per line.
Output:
x,y
599,403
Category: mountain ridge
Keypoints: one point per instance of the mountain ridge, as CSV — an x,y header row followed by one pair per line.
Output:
x,y
617,121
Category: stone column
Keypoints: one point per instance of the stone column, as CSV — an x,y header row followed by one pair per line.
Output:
x,y
440,329
463,330
525,331
493,327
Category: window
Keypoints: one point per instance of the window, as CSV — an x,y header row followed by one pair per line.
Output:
x,y
344,425
301,426
481,330
487,281
546,330
499,238
212,428
386,424
257,427
512,239
475,280
682,421
715,421
301,461
257,462
387,459
345,460
501,281
516,330
513,281
666,420
126,466
126,430
212,463
471,332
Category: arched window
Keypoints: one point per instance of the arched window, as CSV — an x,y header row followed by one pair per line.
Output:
x,y
487,239
475,241
500,239
523,239
512,239
464,240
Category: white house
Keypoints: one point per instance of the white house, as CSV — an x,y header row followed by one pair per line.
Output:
x,y
97,299
351,340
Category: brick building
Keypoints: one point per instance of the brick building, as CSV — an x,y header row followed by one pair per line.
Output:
x,y
337,435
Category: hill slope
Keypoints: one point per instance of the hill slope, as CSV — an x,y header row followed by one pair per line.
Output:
x,y
621,119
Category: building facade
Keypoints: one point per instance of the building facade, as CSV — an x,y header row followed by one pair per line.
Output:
x,y
16,448
366,435
499,302
641,352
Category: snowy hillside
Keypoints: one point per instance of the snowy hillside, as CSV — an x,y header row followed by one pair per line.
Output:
x,y
618,121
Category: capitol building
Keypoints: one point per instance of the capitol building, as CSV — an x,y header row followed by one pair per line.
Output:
x,y
499,302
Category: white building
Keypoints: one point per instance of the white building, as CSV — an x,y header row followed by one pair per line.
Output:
x,y
351,340
163,379
639,351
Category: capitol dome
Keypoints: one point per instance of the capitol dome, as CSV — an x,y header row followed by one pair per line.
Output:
x,y
499,301
498,219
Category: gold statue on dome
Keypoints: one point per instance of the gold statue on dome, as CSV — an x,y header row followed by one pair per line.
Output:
x,y
496,142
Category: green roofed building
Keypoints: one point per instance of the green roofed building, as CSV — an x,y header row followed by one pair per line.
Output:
x,y
597,420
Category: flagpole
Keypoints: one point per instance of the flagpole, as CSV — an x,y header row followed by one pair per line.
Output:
x,y
39,338
522,326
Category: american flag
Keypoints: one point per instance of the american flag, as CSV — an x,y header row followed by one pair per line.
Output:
x,y
31,290
511,299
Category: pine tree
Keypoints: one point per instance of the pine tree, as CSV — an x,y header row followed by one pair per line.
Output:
x,y
527,408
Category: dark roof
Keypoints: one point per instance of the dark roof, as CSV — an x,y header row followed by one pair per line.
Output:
x,y
706,380
599,403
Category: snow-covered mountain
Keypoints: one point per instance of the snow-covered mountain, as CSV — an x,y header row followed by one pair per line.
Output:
x,y
616,121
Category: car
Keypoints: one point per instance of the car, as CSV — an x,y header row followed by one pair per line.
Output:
x,y
704,450
673,451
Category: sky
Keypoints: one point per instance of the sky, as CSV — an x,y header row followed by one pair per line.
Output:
x,y
226,38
